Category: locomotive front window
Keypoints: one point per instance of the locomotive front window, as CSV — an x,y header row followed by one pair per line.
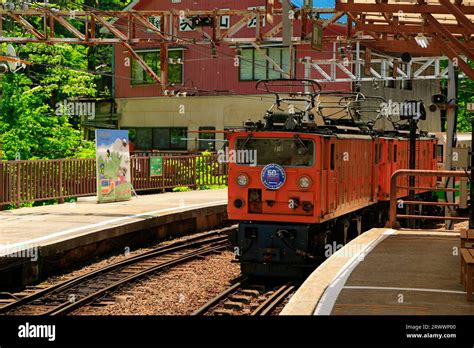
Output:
x,y
285,152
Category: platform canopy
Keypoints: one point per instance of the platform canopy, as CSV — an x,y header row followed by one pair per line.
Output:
x,y
433,27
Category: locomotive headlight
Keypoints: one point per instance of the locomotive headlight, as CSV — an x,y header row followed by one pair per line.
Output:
x,y
243,180
304,182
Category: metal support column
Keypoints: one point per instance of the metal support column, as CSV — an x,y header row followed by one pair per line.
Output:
x,y
412,166
450,138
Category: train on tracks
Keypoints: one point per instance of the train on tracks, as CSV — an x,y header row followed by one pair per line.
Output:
x,y
299,186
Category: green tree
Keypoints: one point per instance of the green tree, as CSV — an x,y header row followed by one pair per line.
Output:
x,y
465,95
31,124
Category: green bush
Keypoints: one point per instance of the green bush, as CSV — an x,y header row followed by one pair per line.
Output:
x,y
205,173
181,189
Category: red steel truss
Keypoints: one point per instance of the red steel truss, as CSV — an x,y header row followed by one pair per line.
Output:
x,y
391,26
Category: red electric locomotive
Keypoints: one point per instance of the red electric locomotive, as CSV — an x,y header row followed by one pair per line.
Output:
x,y
297,188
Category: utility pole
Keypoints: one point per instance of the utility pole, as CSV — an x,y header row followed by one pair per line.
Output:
x,y
450,138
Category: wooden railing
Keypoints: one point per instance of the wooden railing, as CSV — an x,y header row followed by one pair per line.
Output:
x,y
29,181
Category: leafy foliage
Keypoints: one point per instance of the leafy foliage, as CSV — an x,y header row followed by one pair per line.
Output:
x,y
181,189
465,95
207,172
29,124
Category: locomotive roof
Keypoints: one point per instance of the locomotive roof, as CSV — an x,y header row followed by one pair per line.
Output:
x,y
391,136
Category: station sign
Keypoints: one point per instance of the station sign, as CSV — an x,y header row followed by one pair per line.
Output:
x,y
273,176
470,107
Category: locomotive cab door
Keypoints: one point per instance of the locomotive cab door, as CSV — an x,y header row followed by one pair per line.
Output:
x,y
331,183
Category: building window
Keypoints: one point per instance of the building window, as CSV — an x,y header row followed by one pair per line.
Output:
x,y
152,58
159,138
254,66
176,136
144,139
211,136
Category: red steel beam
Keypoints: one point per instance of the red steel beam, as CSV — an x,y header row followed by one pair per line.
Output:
x,y
68,26
395,8
399,46
452,54
460,16
403,27
142,63
441,30
27,25
390,19
15,60
144,22
73,41
163,58
111,28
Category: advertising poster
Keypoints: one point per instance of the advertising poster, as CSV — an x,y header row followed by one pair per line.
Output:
x,y
156,166
113,165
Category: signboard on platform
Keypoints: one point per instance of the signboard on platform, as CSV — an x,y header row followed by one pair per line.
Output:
x,y
156,166
113,165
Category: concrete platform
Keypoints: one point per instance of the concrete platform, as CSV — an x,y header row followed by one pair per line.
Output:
x,y
62,234
387,272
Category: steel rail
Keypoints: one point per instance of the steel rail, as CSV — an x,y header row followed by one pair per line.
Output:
x,y
265,308
66,308
210,237
274,300
216,300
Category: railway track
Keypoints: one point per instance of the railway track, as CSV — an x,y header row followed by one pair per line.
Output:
x,y
70,295
249,296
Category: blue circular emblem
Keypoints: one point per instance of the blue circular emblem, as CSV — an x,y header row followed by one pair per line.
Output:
x,y
273,176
